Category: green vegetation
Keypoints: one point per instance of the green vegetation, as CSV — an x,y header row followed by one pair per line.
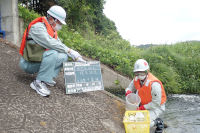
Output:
x,y
177,66
27,15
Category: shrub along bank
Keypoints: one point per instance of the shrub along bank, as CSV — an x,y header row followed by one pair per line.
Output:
x,y
177,66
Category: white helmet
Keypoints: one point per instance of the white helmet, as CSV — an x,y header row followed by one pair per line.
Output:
x,y
58,12
141,65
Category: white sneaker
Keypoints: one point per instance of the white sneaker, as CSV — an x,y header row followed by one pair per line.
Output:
x,y
51,84
40,88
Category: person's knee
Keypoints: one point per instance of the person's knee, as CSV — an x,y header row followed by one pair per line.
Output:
x,y
63,57
50,55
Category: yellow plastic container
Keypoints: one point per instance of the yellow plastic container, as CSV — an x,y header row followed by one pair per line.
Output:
x,y
137,121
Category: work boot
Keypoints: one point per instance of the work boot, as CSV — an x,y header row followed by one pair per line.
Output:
x,y
159,125
40,88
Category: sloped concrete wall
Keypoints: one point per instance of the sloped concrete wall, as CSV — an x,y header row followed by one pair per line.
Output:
x,y
110,77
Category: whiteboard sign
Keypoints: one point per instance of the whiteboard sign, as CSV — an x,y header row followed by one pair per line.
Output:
x,y
82,77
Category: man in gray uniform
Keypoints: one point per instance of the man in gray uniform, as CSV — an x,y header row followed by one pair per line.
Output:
x,y
151,92
43,52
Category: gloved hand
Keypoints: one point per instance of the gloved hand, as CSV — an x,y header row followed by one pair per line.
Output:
x,y
141,108
74,54
128,92
80,59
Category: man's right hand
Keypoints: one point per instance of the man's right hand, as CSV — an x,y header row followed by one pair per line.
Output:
x,y
128,92
141,108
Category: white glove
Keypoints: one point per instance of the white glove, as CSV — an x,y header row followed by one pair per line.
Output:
x,y
75,55
80,59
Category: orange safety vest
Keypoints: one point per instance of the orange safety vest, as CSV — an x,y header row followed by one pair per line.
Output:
x,y
50,31
145,91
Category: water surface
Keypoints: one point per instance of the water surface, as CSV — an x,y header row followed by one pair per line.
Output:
x,y
182,114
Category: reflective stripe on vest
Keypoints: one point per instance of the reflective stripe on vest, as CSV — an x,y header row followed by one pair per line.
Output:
x,y
145,91
50,31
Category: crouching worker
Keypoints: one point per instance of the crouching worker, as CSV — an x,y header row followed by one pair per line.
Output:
x,y
42,52
151,92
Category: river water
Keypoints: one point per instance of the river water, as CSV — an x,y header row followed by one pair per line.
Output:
x,y
182,114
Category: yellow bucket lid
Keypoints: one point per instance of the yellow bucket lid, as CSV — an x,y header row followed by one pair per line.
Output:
x,y
139,116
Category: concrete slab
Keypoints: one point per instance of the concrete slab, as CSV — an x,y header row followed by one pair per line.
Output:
x,y
24,111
